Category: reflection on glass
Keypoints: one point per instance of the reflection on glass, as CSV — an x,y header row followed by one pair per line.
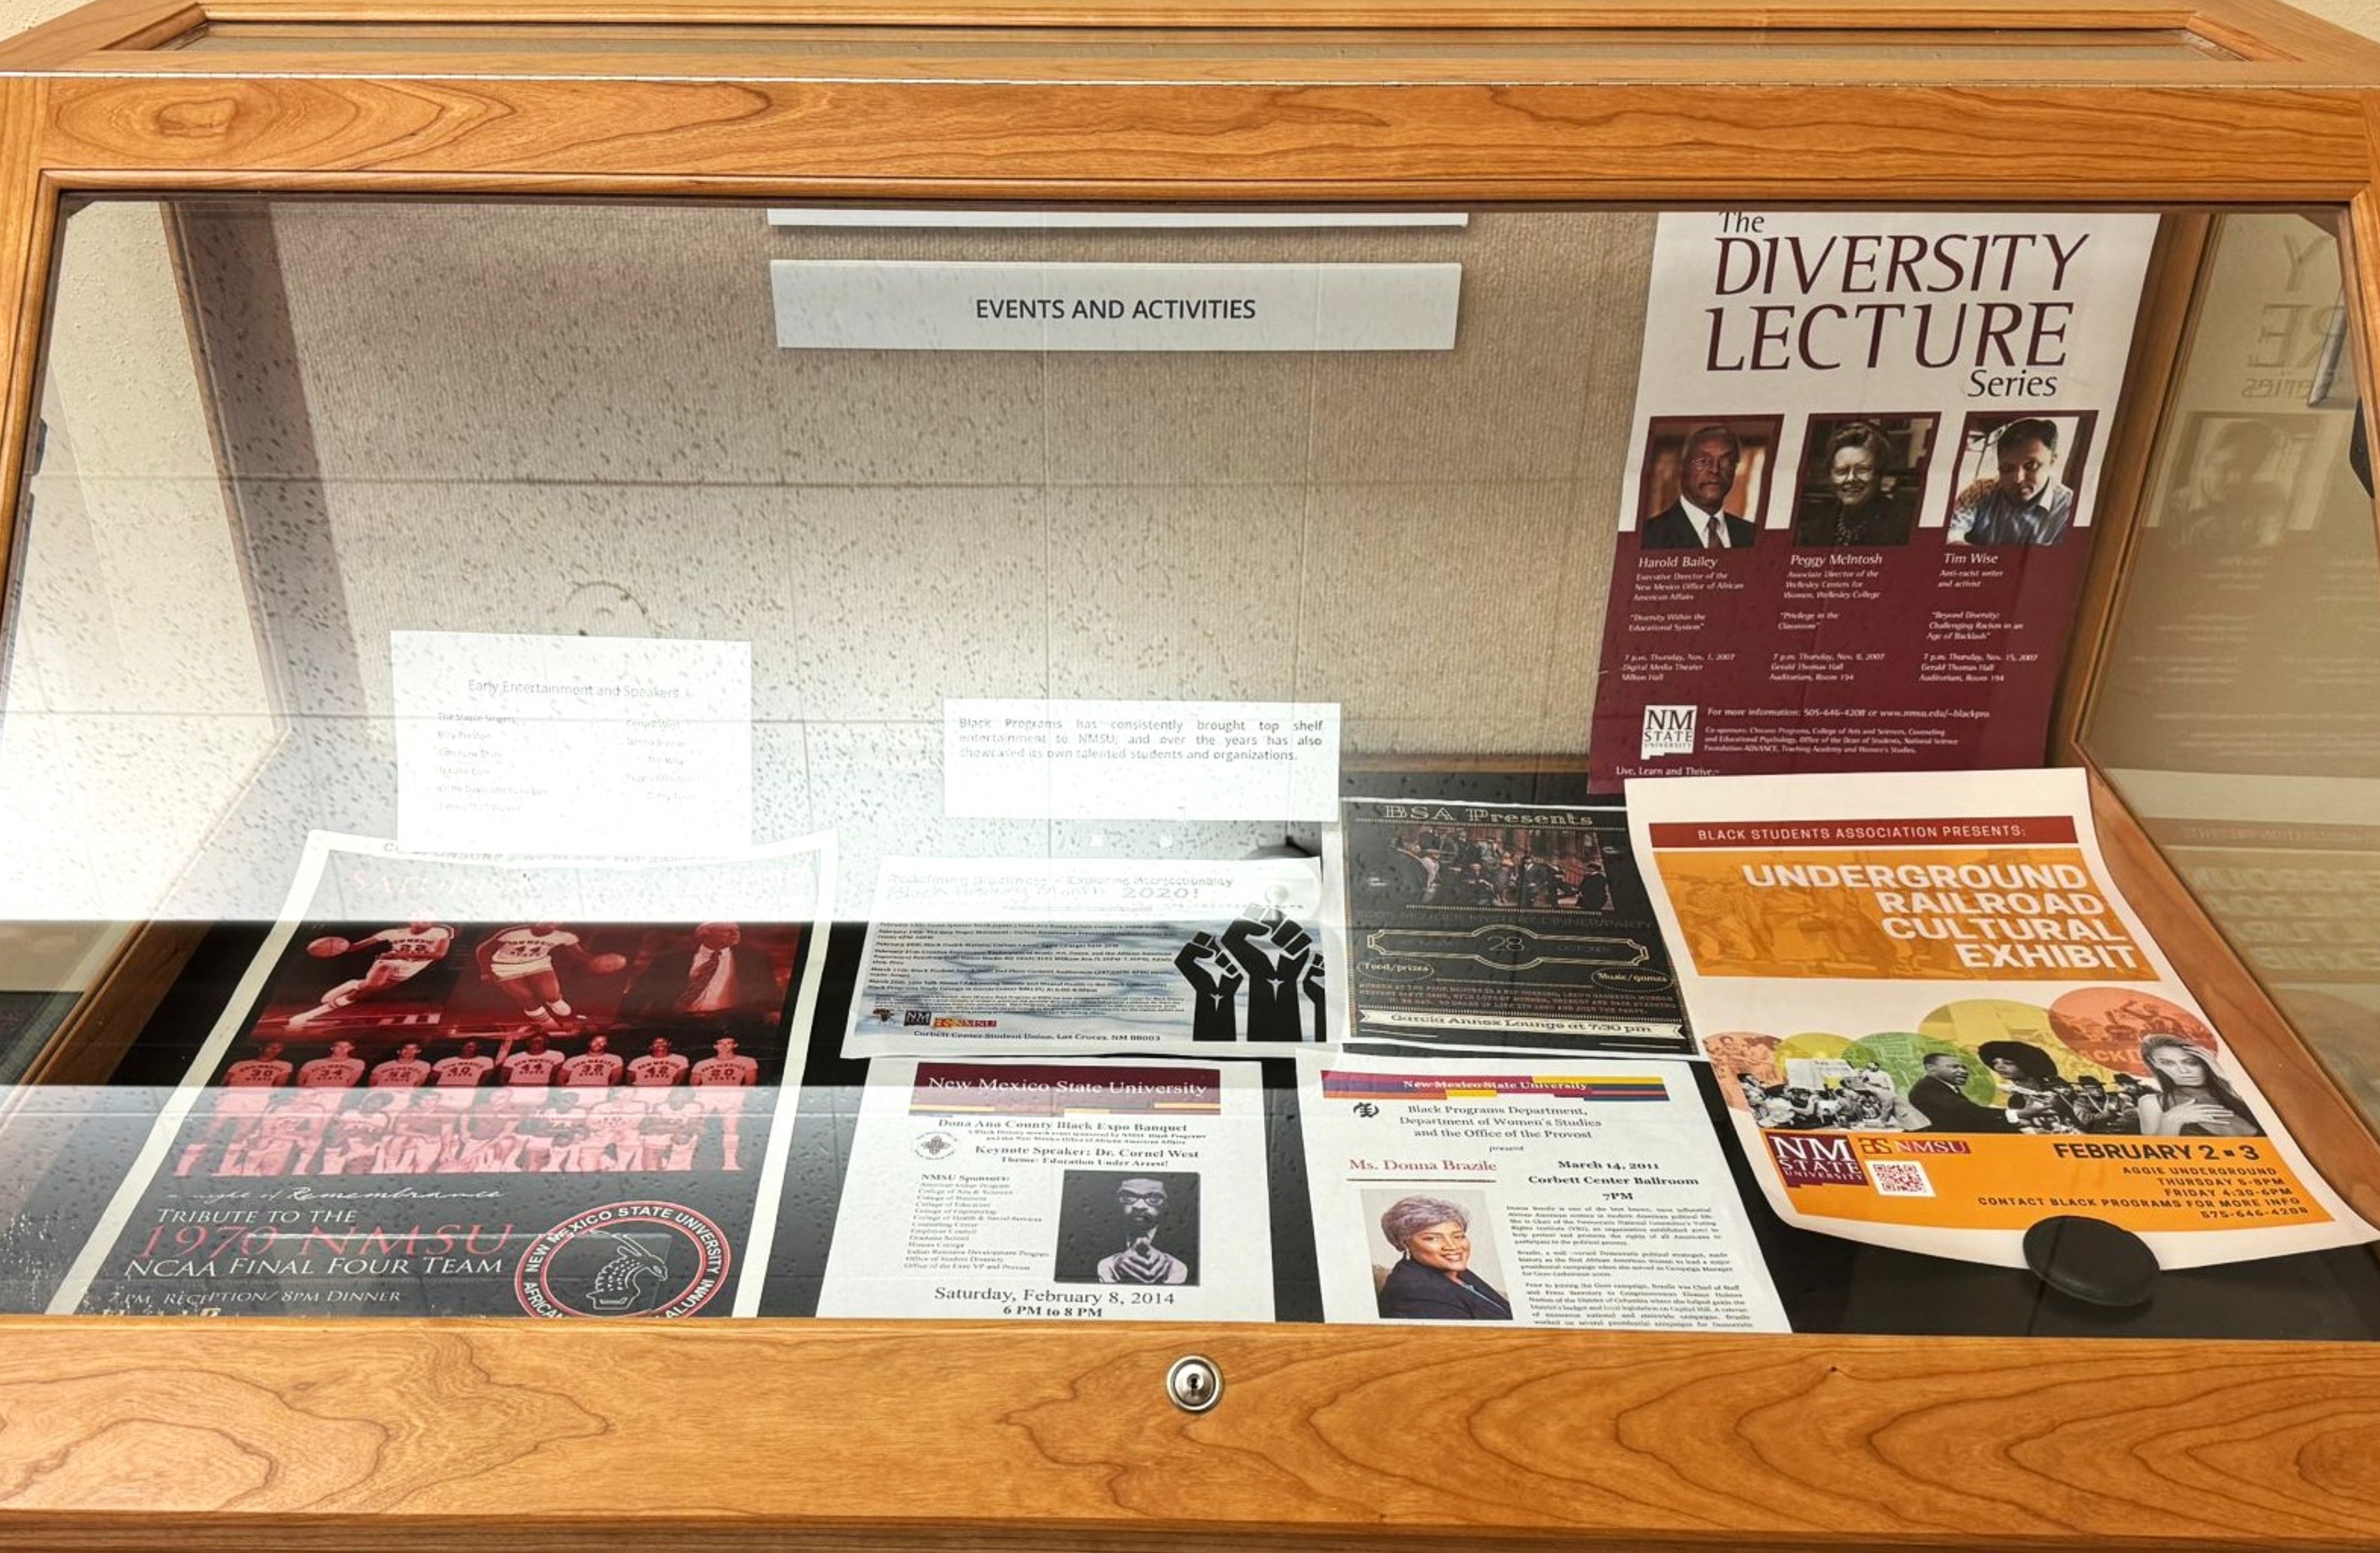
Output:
x,y
594,1043
2240,713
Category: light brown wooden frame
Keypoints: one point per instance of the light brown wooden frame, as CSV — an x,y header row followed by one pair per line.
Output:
x,y
875,1435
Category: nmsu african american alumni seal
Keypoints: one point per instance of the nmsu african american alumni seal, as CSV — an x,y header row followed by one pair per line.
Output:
x,y
641,1258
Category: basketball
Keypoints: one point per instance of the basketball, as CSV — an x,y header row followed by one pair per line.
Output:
x,y
608,964
327,947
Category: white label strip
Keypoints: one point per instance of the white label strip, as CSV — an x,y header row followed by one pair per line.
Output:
x,y
1033,760
1069,221
901,305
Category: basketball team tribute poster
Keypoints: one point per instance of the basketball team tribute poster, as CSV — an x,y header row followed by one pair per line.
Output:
x,y
1936,1023
1866,451
466,1088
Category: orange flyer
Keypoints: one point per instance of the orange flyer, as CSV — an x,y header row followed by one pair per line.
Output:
x,y
1937,1022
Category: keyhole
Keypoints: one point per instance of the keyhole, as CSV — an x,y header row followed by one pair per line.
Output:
x,y
1194,1383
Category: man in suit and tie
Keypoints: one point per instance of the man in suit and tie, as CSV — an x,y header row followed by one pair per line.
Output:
x,y
1941,1098
717,983
1698,518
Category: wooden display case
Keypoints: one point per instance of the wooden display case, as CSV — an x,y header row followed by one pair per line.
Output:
x,y
791,1432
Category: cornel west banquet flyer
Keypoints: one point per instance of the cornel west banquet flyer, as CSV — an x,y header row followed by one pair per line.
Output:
x,y
1864,459
1936,1023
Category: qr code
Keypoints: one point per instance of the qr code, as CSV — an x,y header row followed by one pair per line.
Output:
x,y
1899,1178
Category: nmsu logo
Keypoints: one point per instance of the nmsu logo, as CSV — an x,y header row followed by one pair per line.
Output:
x,y
1668,731
1814,1159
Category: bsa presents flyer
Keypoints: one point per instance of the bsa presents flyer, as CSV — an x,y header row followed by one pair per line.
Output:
x,y
1503,926
1010,956
1553,1192
1866,457
462,1089
1089,1191
1937,1022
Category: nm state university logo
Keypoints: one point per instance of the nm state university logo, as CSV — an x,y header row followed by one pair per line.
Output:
x,y
643,1258
1814,1159
1668,731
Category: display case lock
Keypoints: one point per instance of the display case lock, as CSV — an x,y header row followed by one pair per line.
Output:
x,y
1194,1383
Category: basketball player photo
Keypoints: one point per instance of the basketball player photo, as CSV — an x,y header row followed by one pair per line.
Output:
x,y
402,954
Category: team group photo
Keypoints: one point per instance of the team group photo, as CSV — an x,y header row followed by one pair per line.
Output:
x,y
426,1047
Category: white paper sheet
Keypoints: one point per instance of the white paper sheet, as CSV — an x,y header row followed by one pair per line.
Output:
x,y
572,747
1054,759
1078,1191
1542,1191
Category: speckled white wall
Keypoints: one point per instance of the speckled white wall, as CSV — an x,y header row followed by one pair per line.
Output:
x,y
1418,538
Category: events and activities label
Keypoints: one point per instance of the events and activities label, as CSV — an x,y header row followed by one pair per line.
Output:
x,y
1863,471
872,304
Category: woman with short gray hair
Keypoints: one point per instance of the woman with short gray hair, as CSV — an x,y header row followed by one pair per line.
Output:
x,y
1432,1279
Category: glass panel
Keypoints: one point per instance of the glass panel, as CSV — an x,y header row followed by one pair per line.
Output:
x,y
1531,50
2240,712
444,631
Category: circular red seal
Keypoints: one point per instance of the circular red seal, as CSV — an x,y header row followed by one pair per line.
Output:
x,y
640,1258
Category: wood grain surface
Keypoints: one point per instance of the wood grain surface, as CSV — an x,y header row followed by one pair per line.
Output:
x,y
90,1044
27,213
2269,28
101,25
510,57
2358,252
1889,13
1771,144
2246,21
2254,30
860,1434
235,1435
